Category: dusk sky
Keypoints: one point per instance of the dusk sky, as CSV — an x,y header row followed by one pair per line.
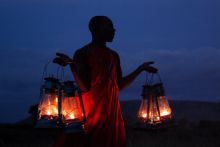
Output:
x,y
181,36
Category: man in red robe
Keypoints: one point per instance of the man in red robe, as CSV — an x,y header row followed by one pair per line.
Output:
x,y
97,71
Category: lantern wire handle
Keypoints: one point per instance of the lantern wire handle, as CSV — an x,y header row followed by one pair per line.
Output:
x,y
41,94
46,67
45,73
158,75
149,81
45,70
146,82
58,69
61,74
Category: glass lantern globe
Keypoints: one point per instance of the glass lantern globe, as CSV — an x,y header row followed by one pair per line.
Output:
x,y
48,107
154,108
73,112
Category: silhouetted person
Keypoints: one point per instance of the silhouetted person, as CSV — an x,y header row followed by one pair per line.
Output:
x,y
97,71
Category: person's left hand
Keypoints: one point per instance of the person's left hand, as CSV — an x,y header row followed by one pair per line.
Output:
x,y
146,67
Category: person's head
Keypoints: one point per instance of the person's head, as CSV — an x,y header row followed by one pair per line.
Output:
x,y
102,28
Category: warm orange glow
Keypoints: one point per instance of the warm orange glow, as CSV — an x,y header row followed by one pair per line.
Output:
x,y
158,118
144,115
72,116
48,112
64,113
143,111
71,109
164,106
157,108
164,113
48,106
154,116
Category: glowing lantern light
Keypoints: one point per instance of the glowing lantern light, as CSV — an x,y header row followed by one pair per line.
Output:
x,y
154,107
72,107
48,107
61,105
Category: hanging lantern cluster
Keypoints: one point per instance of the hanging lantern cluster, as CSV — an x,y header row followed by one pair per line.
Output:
x,y
154,107
61,105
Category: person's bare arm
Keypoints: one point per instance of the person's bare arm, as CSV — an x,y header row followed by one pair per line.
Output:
x,y
124,82
75,67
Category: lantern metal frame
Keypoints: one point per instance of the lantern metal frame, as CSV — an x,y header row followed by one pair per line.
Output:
x,y
151,92
51,85
70,90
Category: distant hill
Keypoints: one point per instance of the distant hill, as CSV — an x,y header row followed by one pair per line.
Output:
x,y
184,132
194,111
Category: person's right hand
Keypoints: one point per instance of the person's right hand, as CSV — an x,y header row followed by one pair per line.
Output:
x,y
62,59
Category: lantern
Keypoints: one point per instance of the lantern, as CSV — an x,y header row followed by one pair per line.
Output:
x,y
164,108
154,107
61,105
73,112
49,104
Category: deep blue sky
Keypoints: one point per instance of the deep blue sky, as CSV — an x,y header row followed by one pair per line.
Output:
x,y
181,36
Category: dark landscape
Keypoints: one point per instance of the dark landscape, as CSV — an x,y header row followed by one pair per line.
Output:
x,y
196,124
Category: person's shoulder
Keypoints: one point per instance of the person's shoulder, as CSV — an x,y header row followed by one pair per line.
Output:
x,y
113,52
81,52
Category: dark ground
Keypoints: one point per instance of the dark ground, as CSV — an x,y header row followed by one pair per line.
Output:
x,y
197,124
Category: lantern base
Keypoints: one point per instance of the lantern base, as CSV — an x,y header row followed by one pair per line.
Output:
x,y
45,123
74,128
169,123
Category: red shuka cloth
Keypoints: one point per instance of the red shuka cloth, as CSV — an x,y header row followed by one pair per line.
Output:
x,y
104,126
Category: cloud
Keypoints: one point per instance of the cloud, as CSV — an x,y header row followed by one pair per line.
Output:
x,y
187,74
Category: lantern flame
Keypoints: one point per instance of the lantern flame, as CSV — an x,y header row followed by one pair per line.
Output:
x,y
64,113
48,112
55,110
164,113
71,109
72,116
144,114
152,113
48,107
